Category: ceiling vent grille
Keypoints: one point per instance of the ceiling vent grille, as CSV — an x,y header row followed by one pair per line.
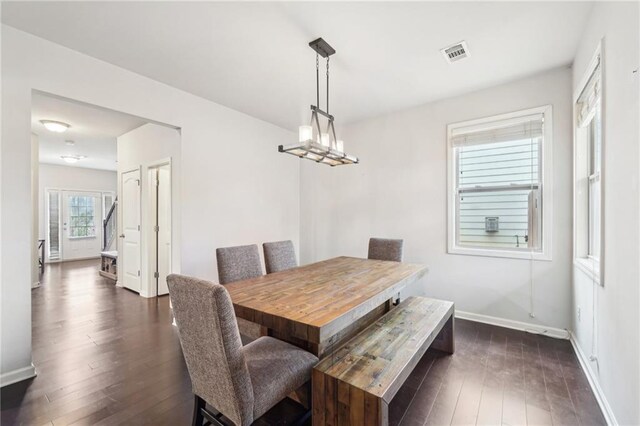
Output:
x,y
455,52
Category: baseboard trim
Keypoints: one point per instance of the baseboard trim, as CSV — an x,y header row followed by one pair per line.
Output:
x,y
607,412
515,325
18,375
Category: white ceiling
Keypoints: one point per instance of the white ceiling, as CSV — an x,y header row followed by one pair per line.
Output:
x,y
94,131
254,57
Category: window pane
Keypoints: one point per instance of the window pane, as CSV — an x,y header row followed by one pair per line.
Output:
x,y
594,218
509,208
54,225
81,221
499,164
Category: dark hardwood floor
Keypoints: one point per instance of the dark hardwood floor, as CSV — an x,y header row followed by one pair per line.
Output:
x,y
105,355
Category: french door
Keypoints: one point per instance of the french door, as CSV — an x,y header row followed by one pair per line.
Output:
x,y
81,224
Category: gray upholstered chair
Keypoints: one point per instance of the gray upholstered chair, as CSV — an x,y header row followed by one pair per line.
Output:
x,y
385,249
236,264
240,383
279,255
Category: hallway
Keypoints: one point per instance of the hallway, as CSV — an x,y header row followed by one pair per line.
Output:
x,y
101,352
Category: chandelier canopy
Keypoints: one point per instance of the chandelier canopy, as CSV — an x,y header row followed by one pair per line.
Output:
x,y
313,143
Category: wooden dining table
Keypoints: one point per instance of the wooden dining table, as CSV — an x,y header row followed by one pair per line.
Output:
x,y
322,305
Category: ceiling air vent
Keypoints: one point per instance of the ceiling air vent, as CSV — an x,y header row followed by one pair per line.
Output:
x,y
455,52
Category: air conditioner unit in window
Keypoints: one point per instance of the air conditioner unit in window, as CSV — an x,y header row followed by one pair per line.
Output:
x,y
491,224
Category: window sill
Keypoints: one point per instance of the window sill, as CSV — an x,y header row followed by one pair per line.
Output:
x,y
590,267
509,254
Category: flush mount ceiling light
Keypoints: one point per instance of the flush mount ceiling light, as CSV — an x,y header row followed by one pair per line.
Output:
x,y
73,158
55,126
313,143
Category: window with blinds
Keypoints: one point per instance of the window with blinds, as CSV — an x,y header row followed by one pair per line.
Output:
x,y
497,182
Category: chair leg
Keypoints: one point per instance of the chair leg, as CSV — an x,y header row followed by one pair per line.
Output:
x,y
303,419
198,405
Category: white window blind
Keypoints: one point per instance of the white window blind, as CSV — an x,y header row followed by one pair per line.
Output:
x,y
498,183
589,99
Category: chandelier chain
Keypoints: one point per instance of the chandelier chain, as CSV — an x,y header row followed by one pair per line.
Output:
x,y
327,84
317,80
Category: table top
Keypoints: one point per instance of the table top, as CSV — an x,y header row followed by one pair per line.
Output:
x,y
316,301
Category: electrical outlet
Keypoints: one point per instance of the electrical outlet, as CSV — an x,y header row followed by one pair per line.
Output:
x,y
579,313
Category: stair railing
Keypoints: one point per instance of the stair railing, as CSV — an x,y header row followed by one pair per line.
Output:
x,y
109,226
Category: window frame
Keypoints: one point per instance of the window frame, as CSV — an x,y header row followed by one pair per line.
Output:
x,y
93,218
47,201
594,209
546,185
592,266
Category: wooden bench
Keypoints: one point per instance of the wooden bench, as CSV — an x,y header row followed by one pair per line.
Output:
x,y
354,385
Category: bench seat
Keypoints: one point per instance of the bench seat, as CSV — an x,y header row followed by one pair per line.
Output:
x,y
354,385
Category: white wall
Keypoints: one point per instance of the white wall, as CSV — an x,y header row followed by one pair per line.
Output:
x,y
75,178
617,339
35,269
237,189
399,191
141,148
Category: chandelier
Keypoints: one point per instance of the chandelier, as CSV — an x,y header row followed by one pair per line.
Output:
x,y
314,143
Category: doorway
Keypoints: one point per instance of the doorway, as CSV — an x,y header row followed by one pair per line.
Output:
x,y
146,229
73,222
81,230
91,188
160,244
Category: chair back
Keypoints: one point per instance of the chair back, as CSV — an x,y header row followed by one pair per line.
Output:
x,y
279,256
385,249
238,263
211,346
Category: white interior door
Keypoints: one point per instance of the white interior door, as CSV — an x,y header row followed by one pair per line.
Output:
x,y
164,227
81,227
129,259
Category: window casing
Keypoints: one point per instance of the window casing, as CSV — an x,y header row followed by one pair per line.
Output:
x,y
498,172
588,177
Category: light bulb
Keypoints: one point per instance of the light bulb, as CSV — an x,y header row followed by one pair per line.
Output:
x,y
305,133
324,139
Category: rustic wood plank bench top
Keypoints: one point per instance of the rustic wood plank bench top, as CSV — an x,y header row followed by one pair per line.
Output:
x,y
355,384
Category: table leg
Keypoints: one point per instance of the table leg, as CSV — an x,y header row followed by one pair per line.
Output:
x,y
445,339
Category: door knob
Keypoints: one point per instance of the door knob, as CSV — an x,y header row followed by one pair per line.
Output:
x,y
121,235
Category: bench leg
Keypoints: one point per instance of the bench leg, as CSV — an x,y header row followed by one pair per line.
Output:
x,y
444,341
